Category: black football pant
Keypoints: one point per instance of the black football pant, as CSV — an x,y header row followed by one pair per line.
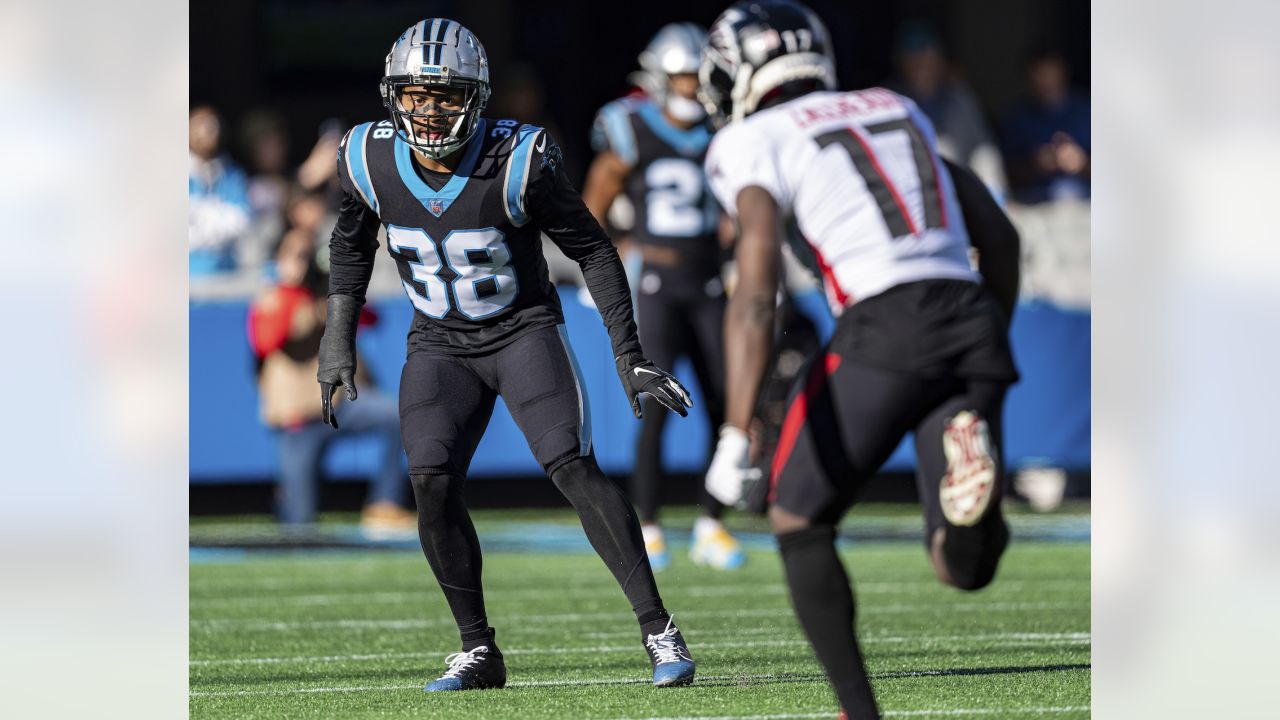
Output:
x,y
846,416
677,320
445,405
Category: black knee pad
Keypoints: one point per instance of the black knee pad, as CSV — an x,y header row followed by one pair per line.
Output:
x,y
807,536
433,489
571,473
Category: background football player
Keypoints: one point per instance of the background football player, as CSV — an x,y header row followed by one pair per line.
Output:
x,y
650,150
921,342
463,199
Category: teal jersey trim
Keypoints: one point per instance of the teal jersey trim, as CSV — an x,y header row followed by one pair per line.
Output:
x,y
518,174
689,142
437,202
356,164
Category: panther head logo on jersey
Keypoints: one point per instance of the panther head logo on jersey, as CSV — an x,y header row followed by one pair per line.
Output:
x,y
756,47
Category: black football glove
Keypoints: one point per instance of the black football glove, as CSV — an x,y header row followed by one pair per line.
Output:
x,y
640,376
338,352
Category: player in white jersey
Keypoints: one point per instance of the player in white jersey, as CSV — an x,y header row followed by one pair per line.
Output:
x,y
921,342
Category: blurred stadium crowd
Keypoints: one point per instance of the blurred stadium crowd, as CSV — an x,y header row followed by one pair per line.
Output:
x,y
249,204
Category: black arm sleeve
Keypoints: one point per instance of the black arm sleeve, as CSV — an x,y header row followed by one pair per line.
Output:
x,y
559,212
994,236
352,248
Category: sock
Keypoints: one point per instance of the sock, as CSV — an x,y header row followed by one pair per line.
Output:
x,y
475,637
704,526
613,530
651,533
824,605
453,551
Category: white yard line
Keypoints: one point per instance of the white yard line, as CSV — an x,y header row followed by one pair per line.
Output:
x,y
642,681
1073,638
1007,712
216,624
362,596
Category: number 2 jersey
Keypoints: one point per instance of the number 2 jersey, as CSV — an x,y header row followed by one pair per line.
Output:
x,y
859,177
674,207
468,244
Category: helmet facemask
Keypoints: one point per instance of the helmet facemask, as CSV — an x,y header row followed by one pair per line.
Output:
x,y
674,51
436,54
457,126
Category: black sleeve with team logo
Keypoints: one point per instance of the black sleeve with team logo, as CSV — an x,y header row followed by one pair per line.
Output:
x,y
559,211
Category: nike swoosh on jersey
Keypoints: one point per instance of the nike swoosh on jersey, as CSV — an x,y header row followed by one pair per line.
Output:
x,y
542,144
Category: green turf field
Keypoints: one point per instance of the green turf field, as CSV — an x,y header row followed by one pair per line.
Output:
x,y
352,633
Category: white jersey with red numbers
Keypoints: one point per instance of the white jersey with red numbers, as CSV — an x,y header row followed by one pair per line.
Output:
x,y
859,174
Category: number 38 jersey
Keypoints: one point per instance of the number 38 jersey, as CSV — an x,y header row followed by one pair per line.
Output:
x,y
666,185
468,245
859,175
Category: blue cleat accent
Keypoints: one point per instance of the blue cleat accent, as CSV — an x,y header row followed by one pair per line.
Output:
x,y
673,666
478,669
443,685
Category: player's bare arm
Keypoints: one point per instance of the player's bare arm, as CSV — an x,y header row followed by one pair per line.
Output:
x,y
748,327
748,340
605,179
992,234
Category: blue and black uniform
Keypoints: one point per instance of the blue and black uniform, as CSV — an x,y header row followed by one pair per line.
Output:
x,y
488,322
680,300
468,249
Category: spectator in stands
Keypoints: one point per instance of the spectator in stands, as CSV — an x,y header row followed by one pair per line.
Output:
x,y
925,75
266,145
285,326
218,212
1046,138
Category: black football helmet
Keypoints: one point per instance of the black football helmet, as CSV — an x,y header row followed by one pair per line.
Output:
x,y
757,46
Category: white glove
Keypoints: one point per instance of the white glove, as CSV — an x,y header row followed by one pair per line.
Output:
x,y
730,470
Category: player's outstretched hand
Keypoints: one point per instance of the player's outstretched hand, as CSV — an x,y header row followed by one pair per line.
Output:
x,y
640,376
338,353
731,471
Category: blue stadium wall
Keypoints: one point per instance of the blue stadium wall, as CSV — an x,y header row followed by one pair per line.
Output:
x,y
1047,413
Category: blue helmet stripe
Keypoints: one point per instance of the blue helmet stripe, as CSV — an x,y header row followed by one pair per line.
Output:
x,y
444,37
433,51
355,161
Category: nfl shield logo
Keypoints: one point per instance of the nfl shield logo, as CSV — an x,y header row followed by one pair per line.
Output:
x,y
436,207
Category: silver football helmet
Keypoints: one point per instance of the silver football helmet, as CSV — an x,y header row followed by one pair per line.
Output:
x,y
437,52
675,49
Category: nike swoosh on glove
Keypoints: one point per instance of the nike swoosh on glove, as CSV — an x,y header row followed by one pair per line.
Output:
x,y
640,376
730,470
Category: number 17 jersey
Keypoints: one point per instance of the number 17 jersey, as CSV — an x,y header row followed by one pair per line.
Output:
x,y
859,176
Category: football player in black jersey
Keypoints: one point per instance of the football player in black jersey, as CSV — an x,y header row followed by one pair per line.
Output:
x,y
464,199
651,150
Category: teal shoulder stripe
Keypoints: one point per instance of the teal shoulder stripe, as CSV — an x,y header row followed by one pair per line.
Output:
x,y
617,127
517,177
358,164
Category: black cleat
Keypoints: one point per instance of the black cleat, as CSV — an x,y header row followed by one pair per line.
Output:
x,y
478,669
